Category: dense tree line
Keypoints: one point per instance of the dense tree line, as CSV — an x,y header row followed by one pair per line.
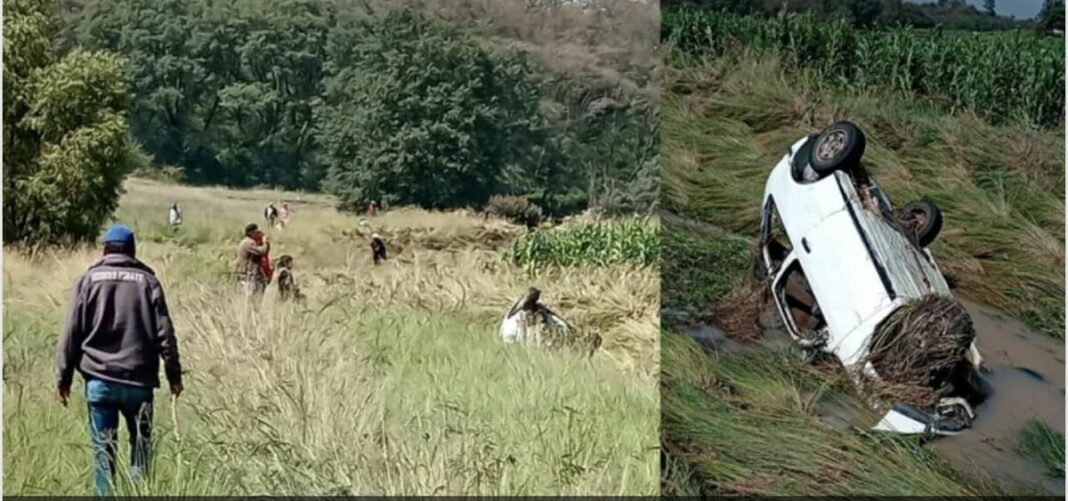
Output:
x,y
388,104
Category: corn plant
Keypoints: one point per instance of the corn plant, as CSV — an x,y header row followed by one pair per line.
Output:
x,y
591,244
1008,77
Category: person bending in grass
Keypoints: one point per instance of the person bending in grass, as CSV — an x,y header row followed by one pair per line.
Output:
x,y
117,330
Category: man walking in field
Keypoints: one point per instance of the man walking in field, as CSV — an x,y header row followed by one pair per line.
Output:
x,y
252,255
117,329
270,213
378,249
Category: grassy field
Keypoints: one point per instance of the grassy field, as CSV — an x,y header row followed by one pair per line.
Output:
x,y
389,380
756,421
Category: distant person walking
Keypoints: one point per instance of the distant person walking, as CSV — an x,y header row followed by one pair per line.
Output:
x,y
175,216
270,213
378,248
253,263
372,208
117,329
283,215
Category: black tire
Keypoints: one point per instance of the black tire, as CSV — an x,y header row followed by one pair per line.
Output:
x,y
838,147
922,217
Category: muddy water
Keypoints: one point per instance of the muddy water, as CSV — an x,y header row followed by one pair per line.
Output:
x,y
1026,380
711,339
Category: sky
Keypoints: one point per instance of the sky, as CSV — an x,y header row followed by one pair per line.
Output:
x,y
1021,9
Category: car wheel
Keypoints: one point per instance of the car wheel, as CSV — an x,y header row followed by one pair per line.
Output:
x,y
838,147
923,219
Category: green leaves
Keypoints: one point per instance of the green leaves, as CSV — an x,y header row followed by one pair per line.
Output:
x,y
75,92
392,105
1009,77
424,115
68,132
634,241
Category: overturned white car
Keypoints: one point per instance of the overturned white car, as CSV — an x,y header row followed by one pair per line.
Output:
x,y
842,264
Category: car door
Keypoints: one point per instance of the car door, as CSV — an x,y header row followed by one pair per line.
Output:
x,y
778,293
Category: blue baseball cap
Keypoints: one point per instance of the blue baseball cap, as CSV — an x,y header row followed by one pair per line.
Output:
x,y
119,234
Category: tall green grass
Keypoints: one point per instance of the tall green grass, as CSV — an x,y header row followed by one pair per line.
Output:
x,y
1015,77
1043,444
757,423
390,379
633,241
700,265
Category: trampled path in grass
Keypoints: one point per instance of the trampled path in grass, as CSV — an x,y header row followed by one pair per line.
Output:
x,y
756,421
389,380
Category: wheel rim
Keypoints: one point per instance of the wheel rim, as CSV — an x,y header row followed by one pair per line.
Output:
x,y
915,218
831,145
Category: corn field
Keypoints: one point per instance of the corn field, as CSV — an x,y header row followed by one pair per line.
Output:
x,y
1008,77
632,241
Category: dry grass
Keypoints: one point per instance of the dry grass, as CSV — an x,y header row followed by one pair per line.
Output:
x,y
389,380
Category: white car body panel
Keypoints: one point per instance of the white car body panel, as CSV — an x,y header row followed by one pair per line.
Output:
x,y
896,422
520,328
859,267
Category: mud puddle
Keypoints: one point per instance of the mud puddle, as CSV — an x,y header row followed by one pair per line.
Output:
x,y
1026,381
711,339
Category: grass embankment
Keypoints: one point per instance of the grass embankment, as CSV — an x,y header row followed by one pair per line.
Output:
x,y
389,380
756,422
1043,444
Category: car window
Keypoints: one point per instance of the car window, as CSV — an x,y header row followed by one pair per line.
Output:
x,y
798,301
776,243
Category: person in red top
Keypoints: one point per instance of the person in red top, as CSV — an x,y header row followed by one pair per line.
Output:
x,y
252,253
265,259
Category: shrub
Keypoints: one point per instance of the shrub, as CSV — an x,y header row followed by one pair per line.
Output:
x,y
515,208
166,173
66,149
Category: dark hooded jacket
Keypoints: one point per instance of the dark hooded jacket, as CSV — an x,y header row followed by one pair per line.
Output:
x,y
118,327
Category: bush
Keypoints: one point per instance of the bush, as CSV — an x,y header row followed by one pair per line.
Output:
x,y
66,149
167,173
517,209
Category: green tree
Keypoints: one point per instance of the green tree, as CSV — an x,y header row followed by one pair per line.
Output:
x,y
865,12
66,149
1051,17
224,89
416,112
990,7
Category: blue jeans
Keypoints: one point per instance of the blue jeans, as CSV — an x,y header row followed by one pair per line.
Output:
x,y
107,400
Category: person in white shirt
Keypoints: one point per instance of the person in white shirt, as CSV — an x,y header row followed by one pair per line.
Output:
x,y
175,216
